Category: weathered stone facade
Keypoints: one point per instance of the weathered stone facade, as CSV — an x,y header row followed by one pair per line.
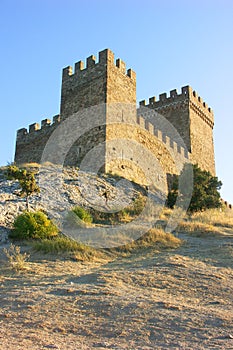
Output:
x,y
193,120
107,82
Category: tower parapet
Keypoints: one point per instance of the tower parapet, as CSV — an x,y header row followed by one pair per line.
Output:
x,y
99,82
192,118
106,57
174,98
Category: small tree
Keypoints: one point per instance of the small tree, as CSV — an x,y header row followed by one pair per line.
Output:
x,y
205,191
26,180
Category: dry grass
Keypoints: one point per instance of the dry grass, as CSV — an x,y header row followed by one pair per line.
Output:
x,y
197,228
166,212
30,165
171,301
215,217
60,244
212,221
154,238
16,260
66,246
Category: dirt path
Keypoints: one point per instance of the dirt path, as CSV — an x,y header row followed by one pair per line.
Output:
x,y
181,299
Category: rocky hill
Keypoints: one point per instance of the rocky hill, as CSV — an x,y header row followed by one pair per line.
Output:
x,y
144,299
61,191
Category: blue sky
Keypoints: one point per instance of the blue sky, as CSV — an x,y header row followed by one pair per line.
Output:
x,y
169,45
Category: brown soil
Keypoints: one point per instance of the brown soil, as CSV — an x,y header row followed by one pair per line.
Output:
x,y
176,299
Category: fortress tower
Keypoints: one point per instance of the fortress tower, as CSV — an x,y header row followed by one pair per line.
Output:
x,y
106,81
194,121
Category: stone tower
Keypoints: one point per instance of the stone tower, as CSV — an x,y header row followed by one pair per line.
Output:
x,y
193,120
102,82
106,82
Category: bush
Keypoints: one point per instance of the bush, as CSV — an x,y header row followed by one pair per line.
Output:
x,y
59,244
65,245
205,191
35,225
83,214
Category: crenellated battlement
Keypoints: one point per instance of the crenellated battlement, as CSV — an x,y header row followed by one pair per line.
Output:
x,y
192,118
105,58
164,99
104,80
174,98
144,123
37,128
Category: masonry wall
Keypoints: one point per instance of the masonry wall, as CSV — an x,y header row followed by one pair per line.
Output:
x,y
84,144
121,85
102,81
86,86
178,115
175,108
201,134
140,147
30,143
193,120
162,151
107,81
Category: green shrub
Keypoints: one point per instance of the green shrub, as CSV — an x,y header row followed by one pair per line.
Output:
x,y
59,244
205,193
34,225
64,245
83,214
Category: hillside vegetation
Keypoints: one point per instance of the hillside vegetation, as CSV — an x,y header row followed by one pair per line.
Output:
x,y
160,291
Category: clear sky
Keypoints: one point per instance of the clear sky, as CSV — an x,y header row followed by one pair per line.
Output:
x,y
169,44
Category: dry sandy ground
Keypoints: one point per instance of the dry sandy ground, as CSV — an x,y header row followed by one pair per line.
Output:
x,y
179,299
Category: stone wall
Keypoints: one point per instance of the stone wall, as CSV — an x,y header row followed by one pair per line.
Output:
x,y
107,81
193,120
138,156
30,144
175,109
104,81
201,133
